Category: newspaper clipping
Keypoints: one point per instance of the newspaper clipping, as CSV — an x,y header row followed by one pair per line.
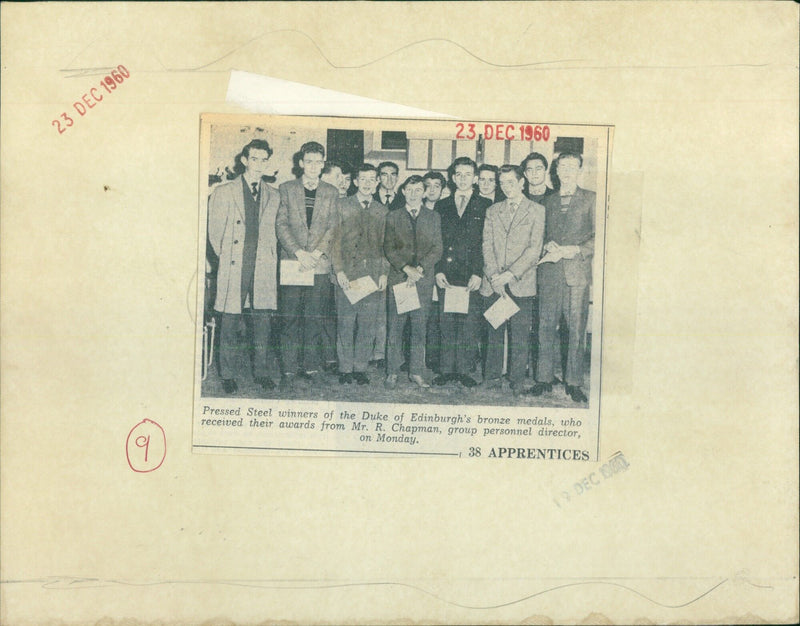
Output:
x,y
400,287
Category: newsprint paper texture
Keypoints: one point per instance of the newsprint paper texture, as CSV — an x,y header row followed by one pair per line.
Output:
x,y
326,413
686,510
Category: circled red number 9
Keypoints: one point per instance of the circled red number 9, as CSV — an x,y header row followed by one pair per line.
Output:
x,y
146,446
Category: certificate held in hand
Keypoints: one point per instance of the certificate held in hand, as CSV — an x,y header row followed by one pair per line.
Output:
x,y
456,300
360,289
292,273
501,311
406,297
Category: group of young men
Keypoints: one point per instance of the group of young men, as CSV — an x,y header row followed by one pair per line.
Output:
x,y
500,233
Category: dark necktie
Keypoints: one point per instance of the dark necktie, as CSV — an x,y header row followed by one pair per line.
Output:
x,y
414,214
255,189
366,204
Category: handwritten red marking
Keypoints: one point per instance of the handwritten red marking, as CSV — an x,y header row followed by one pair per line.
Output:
x,y
146,446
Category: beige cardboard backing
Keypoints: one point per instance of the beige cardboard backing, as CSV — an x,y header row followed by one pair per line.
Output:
x,y
699,388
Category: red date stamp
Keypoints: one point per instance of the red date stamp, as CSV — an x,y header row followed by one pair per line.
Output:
x,y
501,132
92,97
146,446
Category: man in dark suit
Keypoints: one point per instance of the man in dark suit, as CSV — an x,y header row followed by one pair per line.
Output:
x,y
392,199
413,246
564,282
534,167
358,252
241,231
387,194
461,265
304,225
512,244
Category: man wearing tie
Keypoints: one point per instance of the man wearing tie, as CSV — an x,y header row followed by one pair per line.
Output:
x,y
413,246
304,226
388,196
512,244
461,265
358,253
564,281
241,218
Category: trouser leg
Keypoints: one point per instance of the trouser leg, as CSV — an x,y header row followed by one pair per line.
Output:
x,y
366,319
379,342
419,319
291,310
495,343
264,361
229,344
466,331
519,327
346,322
550,303
313,316
578,298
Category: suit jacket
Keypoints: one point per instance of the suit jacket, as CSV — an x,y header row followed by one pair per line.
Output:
x,y
404,245
226,231
398,202
573,228
462,239
357,248
291,224
513,243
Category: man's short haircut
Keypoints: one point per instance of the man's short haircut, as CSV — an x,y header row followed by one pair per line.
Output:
x,y
434,176
329,165
391,164
505,169
463,160
256,144
488,168
533,156
346,168
312,147
366,167
569,155
412,180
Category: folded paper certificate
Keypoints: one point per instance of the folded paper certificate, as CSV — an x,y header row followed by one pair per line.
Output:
x,y
360,288
456,300
292,273
406,297
501,311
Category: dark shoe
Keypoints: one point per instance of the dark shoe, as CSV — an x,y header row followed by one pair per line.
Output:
x,y
345,379
517,389
378,364
467,381
391,381
493,383
307,376
576,394
539,388
230,386
442,379
361,378
331,367
265,382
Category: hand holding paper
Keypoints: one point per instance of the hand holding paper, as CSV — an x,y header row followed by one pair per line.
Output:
x,y
359,288
406,297
501,311
293,273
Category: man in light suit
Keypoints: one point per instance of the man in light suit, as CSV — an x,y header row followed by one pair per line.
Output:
x,y
241,230
564,282
513,232
304,225
413,246
358,252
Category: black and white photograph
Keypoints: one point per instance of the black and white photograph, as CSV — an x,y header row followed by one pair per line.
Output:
x,y
402,262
